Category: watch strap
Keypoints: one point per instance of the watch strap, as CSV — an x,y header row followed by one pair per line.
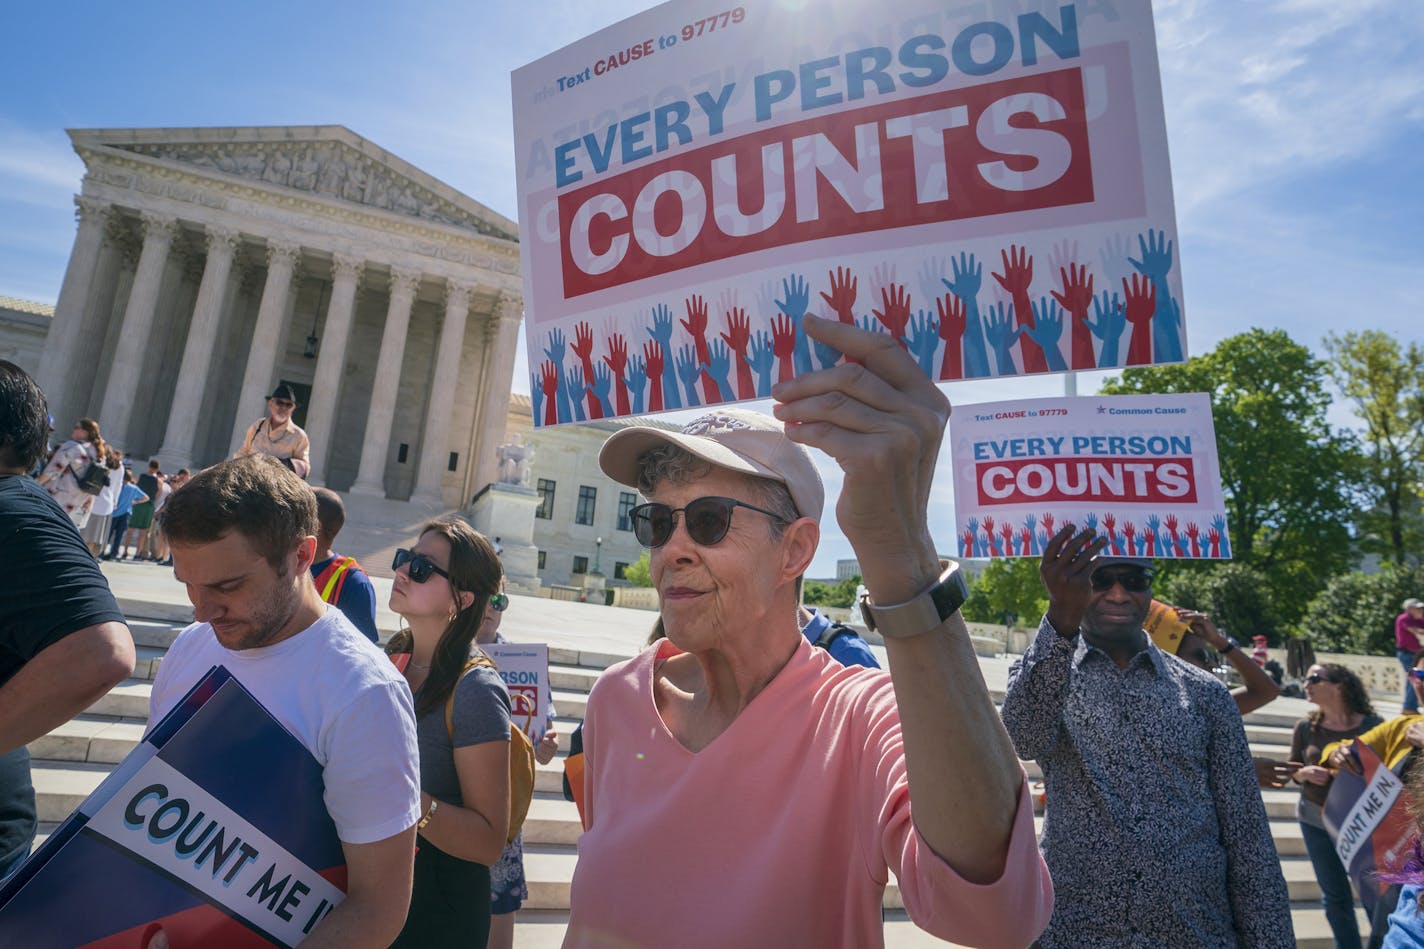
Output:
x,y
921,613
1230,645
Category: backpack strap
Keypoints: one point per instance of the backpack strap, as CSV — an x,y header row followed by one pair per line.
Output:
x,y
830,634
330,581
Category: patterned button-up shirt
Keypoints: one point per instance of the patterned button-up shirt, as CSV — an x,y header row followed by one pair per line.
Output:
x,y
1155,832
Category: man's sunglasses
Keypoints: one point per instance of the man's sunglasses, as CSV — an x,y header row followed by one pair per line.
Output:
x,y
284,404
706,519
1133,581
421,566
1316,678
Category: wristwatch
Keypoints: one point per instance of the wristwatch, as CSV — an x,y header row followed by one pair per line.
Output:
x,y
1230,645
921,614
420,824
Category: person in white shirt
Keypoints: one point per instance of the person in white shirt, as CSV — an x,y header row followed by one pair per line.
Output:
x,y
242,536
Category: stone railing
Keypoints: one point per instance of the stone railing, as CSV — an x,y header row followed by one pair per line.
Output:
x,y
636,598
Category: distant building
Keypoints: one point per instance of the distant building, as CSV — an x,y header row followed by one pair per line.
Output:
x,y
23,326
845,569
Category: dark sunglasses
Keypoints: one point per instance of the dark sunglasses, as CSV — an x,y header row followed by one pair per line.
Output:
x,y
707,520
1316,678
1133,581
499,602
284,404
421,566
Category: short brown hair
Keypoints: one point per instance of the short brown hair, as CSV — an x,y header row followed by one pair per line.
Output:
x,y
255,495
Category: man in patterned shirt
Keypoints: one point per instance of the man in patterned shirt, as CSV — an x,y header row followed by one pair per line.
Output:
x,y
1155,832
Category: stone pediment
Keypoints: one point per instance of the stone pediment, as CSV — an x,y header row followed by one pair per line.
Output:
x,y
330,161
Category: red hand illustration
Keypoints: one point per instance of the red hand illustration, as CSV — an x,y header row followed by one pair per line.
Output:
x,y
783,344
1007,532
1192,534
617,360
583,349
1077,295
653,355
1141,297
549,382
1025,540
842,295
988,523
1213,537
1150,540
968,548
1017,275
952,318
1171,522
738,337
1130,531
1109,524
896,303
1047,521
696,324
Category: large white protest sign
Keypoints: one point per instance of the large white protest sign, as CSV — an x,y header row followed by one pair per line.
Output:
x,y
987,183
524,667
1142,469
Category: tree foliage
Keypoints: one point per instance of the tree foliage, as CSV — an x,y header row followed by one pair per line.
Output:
x,y
1385,383
1007,591
1355,612
1235,595
838,594
1286,474
639,573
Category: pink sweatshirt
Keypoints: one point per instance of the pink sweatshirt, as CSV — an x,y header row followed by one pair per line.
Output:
x,y
780,833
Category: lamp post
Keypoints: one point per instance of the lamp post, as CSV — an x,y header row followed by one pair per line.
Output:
x,y
597,554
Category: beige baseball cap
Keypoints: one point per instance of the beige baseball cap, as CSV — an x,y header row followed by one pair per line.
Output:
x,y
736,439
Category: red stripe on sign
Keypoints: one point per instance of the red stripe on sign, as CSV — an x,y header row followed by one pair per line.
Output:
x,y
1016,145
1030,481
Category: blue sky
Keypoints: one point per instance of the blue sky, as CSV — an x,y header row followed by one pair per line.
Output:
x,y
1296,130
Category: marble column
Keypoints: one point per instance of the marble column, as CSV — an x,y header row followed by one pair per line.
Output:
x,y
57,361
371,475
262,350
509,311
193,371
435,439
330,361
119,254
136,336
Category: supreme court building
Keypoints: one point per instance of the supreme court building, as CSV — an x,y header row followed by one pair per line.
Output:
x,y
211,264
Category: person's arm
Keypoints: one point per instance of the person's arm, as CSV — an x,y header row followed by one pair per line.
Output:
x,y
1381,738
62,680
1260,905
476,831
1257,687
246,447
882,421
358,602
301,458
378,884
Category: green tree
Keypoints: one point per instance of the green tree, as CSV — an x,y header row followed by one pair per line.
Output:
x,y
639,573
1235,595
1008,586
838,594
1286,474
1385,383
1355,612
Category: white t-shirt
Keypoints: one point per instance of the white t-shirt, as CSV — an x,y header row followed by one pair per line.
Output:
x,y
341,696
105,500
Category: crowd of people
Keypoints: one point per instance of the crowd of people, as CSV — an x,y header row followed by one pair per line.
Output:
x,y
752,776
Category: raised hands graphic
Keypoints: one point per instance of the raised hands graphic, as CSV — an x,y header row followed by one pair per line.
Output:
x,y
1110,525
951,330
716,384
738,337
1150,535
653,359
1077,294
1218,524
1017,275
894,312
1155,263
827,354
583,349
1141,302
636,382
601,387
559,396
696,324
661,332
797,294
688,371
783,338
968,276
536,397
1111,321
1046,330
556,406
576,389
1031,522
841,299
972,525
923,341
931,277
994,550
1006,531
966,543
761,358
1001,334
1193,532
1129,530
617,360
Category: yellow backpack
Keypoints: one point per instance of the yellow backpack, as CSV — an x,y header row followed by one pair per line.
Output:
x,y
521,756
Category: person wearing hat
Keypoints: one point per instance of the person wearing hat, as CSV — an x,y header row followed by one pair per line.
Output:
x,y
1408,627
743,787
277,435
1154,828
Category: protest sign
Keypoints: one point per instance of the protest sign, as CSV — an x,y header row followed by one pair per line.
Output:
x,y
212,831
524,667
1367,816
1142,469
1164,627
987,183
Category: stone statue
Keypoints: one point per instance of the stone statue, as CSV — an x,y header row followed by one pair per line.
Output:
x,y
515,459
304,174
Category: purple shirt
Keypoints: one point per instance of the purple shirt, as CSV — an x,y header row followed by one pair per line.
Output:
x,y
1407,630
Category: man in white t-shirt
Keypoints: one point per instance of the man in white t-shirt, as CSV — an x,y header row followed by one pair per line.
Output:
x,y
242,536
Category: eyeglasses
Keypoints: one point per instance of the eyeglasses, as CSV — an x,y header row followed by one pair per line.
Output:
x,y
499,602
284,404
1316,678
421,566
1133,581
707,520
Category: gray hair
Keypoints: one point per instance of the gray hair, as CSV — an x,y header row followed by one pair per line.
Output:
x,y
677,465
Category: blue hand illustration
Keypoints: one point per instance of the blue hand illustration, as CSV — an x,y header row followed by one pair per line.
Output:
x,y
1090,522
1112,320
688,371
968,276
761,357
870,324
555,354
661,332
1047,331
602,387
637,381
1156,260
1031,523
575,391
1040,541
973,525
923,341
555,350
536,398
930,276
1218,523
798,296
719,367
828,355
1002,334
1155,264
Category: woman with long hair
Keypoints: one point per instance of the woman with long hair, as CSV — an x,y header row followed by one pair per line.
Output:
x,y
442,588
1342,711
67,465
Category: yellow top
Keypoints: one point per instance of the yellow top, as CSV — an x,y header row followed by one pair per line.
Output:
x,y
1385,739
